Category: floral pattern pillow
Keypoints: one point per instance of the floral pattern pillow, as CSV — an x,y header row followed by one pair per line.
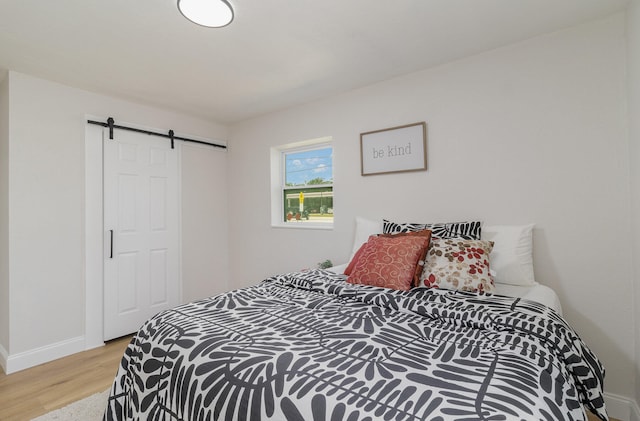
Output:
x,y
458,264
389,262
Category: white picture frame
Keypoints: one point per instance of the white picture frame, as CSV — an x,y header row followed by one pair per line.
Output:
x,y
394,150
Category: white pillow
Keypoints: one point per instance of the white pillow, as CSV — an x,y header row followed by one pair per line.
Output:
x,y
364,229
338,268
512,254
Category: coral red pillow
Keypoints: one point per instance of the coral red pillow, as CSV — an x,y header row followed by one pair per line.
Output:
x,y
419,267
352,263
390,262
421,262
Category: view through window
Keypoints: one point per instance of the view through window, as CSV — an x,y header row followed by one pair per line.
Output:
x,y
308,185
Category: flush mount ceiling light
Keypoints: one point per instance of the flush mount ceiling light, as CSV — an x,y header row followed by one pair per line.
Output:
x,y
209,13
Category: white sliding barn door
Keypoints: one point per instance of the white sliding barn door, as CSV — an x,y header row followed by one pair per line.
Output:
x,y
142,239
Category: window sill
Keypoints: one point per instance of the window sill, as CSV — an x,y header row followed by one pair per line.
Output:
x,y
304,226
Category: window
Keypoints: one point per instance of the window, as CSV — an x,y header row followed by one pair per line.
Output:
x,y
304,192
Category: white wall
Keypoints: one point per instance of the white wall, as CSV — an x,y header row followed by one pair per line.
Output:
x,y
205,262
633,72
46,206
4,217
533,132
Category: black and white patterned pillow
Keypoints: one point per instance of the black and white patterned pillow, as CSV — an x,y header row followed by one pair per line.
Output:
x,y
465,230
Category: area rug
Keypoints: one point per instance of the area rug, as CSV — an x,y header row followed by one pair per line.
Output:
x,y
88,409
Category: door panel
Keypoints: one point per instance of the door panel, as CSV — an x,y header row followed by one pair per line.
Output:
x,y
158,262
158,203
141,206
128,279
127,206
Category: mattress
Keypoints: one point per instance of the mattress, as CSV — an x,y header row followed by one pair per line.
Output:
x,y
540,293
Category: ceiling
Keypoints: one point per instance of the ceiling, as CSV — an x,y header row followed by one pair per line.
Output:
x,y
274,55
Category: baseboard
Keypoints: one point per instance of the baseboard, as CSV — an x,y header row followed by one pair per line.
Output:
x,y
622,407
635,411
4,356
31,358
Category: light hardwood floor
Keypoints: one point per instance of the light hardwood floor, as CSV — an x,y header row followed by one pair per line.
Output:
x,y
38,390
33,392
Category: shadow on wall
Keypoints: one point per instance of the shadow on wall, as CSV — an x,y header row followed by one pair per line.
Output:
x,y
581,318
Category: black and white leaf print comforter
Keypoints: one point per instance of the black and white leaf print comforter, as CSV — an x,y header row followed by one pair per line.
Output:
x,y
309,346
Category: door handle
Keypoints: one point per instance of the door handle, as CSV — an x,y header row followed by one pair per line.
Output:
x,y
111,245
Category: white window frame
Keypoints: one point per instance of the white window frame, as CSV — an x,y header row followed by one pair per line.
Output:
x,y
278,186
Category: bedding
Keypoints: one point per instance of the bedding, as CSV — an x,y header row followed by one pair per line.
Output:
x,y
467,230
512,255
536,292
365,228
310,346
456,263
390,262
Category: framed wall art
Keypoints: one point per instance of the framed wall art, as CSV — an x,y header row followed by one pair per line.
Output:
x,y
393,150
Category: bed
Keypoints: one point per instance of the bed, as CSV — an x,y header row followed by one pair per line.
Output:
x,y
312,345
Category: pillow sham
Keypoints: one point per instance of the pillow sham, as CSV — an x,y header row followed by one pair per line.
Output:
x,y
421,233
467,230
512,255
390,262
459,264
354,260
